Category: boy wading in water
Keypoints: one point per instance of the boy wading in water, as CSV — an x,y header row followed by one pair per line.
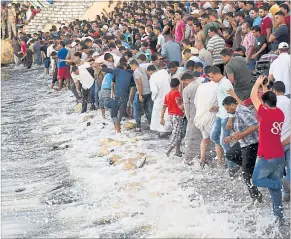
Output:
x,y
173,101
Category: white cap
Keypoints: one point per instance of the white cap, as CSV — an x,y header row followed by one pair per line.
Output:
x,y
283,45
9,5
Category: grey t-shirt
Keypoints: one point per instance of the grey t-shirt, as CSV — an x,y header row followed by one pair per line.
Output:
x,y
141,74
242,76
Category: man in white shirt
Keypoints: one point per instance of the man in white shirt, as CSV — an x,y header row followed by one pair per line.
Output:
x,y
205,98
280,68
219,131
86,79
189,93
284,104
161,39
160,86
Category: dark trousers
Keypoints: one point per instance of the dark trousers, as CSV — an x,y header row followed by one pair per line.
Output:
x,y
147,105
246,158
85,95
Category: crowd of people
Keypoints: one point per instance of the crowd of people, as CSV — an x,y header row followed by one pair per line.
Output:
x,y
219,68
14,16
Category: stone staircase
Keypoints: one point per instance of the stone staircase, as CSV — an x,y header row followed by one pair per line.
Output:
x,y
60,10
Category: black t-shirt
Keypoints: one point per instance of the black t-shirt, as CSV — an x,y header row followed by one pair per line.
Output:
x,y
259,43
44,49
170,25
282,35
153,41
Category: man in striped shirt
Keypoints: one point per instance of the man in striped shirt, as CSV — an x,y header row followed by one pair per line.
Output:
x,y
215,45
249,43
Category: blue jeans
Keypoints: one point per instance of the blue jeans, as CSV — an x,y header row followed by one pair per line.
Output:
x,y
218,134
268,174
251,64
287,161
147,105
38,58
94,93
118,108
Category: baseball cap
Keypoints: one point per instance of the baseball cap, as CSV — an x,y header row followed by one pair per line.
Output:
x,y
283,45
9,5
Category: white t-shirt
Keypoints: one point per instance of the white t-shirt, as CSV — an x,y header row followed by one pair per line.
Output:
x,y
205,98
161,40
284,104
75,77
280,69
144,65
85,77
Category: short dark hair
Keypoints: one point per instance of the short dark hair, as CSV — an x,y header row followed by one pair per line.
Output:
x,y
179,12
112,45
264,7
269,98
280,13
134,62
74,68
197,24
187,76
214,70
229,100
285,6
151,68
54,53
198,65
187,50
204,16
279,86
174,83
154,57
240,14
255,9
186,41
150,26
134,47
78,54
189,64
213,29
145,44
226,52
256,28
122,48
172,64
87,40
142,57
107,56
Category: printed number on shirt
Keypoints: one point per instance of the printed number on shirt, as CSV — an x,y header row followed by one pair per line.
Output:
x,y
277,127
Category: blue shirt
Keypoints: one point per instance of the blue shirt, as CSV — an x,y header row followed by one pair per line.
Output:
x,y
62,55
257,21
106,83
125,44
123,81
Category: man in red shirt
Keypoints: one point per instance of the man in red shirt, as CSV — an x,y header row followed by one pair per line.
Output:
x,y
173,101
266,24
269,169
